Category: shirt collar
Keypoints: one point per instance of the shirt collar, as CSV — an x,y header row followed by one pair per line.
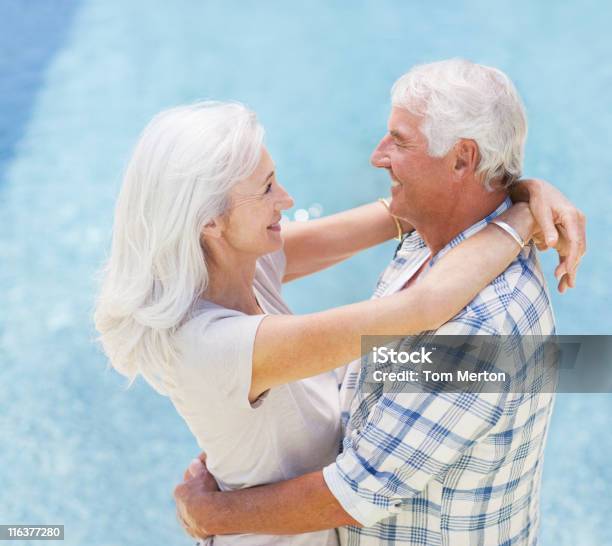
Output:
x,y
414,241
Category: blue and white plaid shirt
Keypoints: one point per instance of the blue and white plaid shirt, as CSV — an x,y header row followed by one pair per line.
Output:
x,y
448,468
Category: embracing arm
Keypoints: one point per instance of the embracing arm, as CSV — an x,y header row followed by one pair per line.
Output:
x,y
314,245
317,244
320,342
299,505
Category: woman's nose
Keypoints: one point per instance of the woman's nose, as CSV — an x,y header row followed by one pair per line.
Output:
x,y
285,201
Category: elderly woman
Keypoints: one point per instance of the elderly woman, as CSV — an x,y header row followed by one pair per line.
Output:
x,y
192,297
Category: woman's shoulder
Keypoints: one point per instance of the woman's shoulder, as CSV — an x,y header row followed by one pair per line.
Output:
x,y
215,357
206,317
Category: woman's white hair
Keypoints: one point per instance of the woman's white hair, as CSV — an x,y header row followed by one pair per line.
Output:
x,y
185,163
463,100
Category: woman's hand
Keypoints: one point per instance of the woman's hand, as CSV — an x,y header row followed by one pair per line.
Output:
x,y
561,226
521,218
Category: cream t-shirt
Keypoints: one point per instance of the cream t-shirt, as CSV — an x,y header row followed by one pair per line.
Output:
x,y
290,430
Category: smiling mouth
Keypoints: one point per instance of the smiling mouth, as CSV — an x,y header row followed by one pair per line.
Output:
x,y
395,183
275,226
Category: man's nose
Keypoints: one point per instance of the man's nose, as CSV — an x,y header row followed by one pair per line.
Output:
x,y
380,157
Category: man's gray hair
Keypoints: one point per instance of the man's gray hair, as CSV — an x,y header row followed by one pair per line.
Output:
x,y
460,99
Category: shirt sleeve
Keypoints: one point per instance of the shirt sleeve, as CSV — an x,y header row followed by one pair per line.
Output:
x,y
218,358
408,440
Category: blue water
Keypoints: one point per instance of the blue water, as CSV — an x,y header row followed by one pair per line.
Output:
x,y
78,80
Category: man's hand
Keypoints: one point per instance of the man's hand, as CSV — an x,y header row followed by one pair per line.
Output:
x,y
191,495
561,226
299,505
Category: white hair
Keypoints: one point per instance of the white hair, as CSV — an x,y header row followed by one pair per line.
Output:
x,y
463,100
181,171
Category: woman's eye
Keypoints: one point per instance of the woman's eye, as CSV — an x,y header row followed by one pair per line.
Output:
x,y
268,187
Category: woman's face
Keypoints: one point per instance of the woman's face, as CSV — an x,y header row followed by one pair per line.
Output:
x,y
252,223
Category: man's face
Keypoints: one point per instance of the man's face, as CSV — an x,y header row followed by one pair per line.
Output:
x,y
420,183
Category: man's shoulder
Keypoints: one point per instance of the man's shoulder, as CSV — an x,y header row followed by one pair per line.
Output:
x,y
517,301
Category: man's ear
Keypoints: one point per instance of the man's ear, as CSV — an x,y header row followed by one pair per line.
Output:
x,y
466,158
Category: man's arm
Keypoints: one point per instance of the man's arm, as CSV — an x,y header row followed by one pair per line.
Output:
x,y
299,505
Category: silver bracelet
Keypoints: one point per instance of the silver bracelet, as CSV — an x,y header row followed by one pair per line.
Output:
x,y
510,231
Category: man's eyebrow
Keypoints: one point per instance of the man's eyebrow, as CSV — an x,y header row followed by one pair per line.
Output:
x,y
268,177
396,135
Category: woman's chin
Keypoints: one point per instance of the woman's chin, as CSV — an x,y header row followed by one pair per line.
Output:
x,y
275,240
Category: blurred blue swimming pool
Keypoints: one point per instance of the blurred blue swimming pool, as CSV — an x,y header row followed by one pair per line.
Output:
x,y
78,81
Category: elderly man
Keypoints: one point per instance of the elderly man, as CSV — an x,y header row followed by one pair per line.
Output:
x,y
428,468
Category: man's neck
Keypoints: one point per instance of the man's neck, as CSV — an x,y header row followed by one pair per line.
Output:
x,y
440,230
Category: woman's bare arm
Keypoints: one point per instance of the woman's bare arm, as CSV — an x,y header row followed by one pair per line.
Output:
x,y
317,244
291,347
